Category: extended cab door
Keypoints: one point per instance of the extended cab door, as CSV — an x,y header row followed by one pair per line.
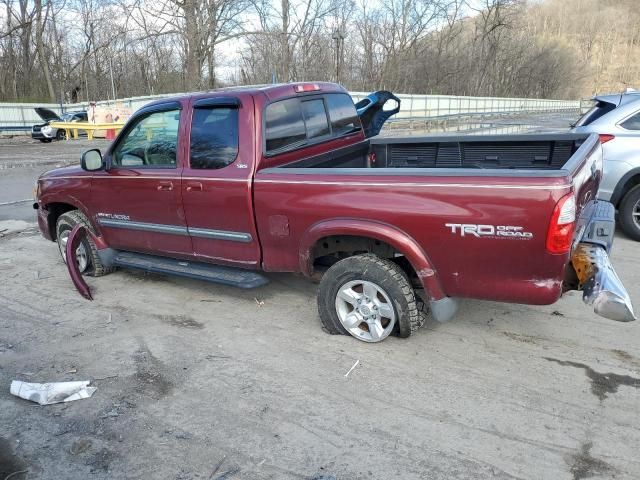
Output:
x,y
137,201
216,181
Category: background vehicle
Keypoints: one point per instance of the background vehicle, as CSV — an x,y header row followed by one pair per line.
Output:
x,y
616,118
283,178
45,133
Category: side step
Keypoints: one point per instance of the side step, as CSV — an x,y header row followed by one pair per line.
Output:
x,y
235,277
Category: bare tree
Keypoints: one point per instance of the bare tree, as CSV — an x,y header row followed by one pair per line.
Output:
x,y
96,49
199,25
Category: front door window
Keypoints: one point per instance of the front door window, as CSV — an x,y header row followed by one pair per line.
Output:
x,y
151,142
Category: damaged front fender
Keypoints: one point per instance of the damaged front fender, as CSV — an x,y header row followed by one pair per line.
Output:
x,y
73,242
600,285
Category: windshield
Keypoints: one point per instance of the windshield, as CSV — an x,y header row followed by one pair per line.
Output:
x,y
598,110
74,117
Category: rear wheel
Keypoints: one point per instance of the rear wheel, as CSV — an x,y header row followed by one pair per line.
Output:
x,y
87,254
629,213
368,298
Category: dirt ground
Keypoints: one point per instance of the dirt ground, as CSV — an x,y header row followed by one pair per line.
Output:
x,y
200,381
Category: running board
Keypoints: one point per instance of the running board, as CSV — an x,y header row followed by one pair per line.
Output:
x,y
235,277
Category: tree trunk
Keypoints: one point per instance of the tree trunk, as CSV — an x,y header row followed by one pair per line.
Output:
x,y
41,52
286,55
193,71
212,68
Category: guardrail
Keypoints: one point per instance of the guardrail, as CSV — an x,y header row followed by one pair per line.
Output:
x,y
71,128
14,128
423,107
434,106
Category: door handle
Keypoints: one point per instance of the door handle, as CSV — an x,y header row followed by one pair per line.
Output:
x,y
194,187
165,186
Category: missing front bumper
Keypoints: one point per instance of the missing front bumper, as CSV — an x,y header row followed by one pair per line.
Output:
x,y
600,284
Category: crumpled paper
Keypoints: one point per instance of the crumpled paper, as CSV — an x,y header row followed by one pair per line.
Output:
x,y
54,392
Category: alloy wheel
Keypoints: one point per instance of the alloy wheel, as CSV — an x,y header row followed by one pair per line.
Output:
x,y
365,310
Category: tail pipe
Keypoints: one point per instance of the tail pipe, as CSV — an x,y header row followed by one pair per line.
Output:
x,y
600,284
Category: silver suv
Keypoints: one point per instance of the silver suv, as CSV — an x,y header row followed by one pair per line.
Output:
x,y
45,132
616,118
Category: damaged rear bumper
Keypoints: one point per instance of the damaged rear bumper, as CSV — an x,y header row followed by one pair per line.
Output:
x,y
596,278
600,285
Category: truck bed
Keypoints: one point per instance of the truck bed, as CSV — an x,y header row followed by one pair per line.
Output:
x,y
495,183
451,153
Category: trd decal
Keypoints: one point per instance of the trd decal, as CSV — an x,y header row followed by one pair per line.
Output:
x,y
489,231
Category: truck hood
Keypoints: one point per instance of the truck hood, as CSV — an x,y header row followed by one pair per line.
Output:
x,y
70,171
46,114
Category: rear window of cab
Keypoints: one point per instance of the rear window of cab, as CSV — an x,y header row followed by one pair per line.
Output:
x,y
296,122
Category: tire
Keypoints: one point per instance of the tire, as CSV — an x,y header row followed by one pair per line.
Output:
x,y
92,265
348,304
45,140
61,134
629,213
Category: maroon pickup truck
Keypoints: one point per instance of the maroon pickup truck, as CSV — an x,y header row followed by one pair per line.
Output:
x,y
290,178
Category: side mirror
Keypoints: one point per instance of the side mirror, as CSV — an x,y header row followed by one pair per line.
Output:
x,y
91,160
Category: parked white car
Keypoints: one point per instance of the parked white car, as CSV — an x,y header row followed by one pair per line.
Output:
x,y
45,132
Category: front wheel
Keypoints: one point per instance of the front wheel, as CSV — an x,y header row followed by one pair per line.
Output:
x,y
87,254
61,134
629,213
368,298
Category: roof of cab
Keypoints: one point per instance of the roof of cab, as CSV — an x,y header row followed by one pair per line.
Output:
x,y
271,91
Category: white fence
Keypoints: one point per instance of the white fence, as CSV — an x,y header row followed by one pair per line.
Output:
x,y
23,115
434,106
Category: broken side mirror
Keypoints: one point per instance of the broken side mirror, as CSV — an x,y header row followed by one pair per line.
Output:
x,y
91,160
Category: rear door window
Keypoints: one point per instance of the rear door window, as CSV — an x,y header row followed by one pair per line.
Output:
x,y
632,123
214,137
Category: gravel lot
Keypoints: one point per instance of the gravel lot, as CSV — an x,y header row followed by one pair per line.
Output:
x,y
195,378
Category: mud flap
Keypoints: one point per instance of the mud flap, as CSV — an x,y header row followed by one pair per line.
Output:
x,y
601,287
73,242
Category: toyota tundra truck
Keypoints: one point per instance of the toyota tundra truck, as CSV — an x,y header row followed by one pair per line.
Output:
x,y
225,185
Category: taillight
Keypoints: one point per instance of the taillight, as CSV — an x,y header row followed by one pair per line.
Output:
x,y
562,225
307,87
605,137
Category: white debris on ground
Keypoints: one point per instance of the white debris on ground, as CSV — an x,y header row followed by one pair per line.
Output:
x,y
55,392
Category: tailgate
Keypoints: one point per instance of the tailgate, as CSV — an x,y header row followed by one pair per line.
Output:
x,y
585,167
593,238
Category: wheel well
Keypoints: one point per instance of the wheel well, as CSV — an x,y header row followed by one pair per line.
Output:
x,y
628,185
55,210
329,250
